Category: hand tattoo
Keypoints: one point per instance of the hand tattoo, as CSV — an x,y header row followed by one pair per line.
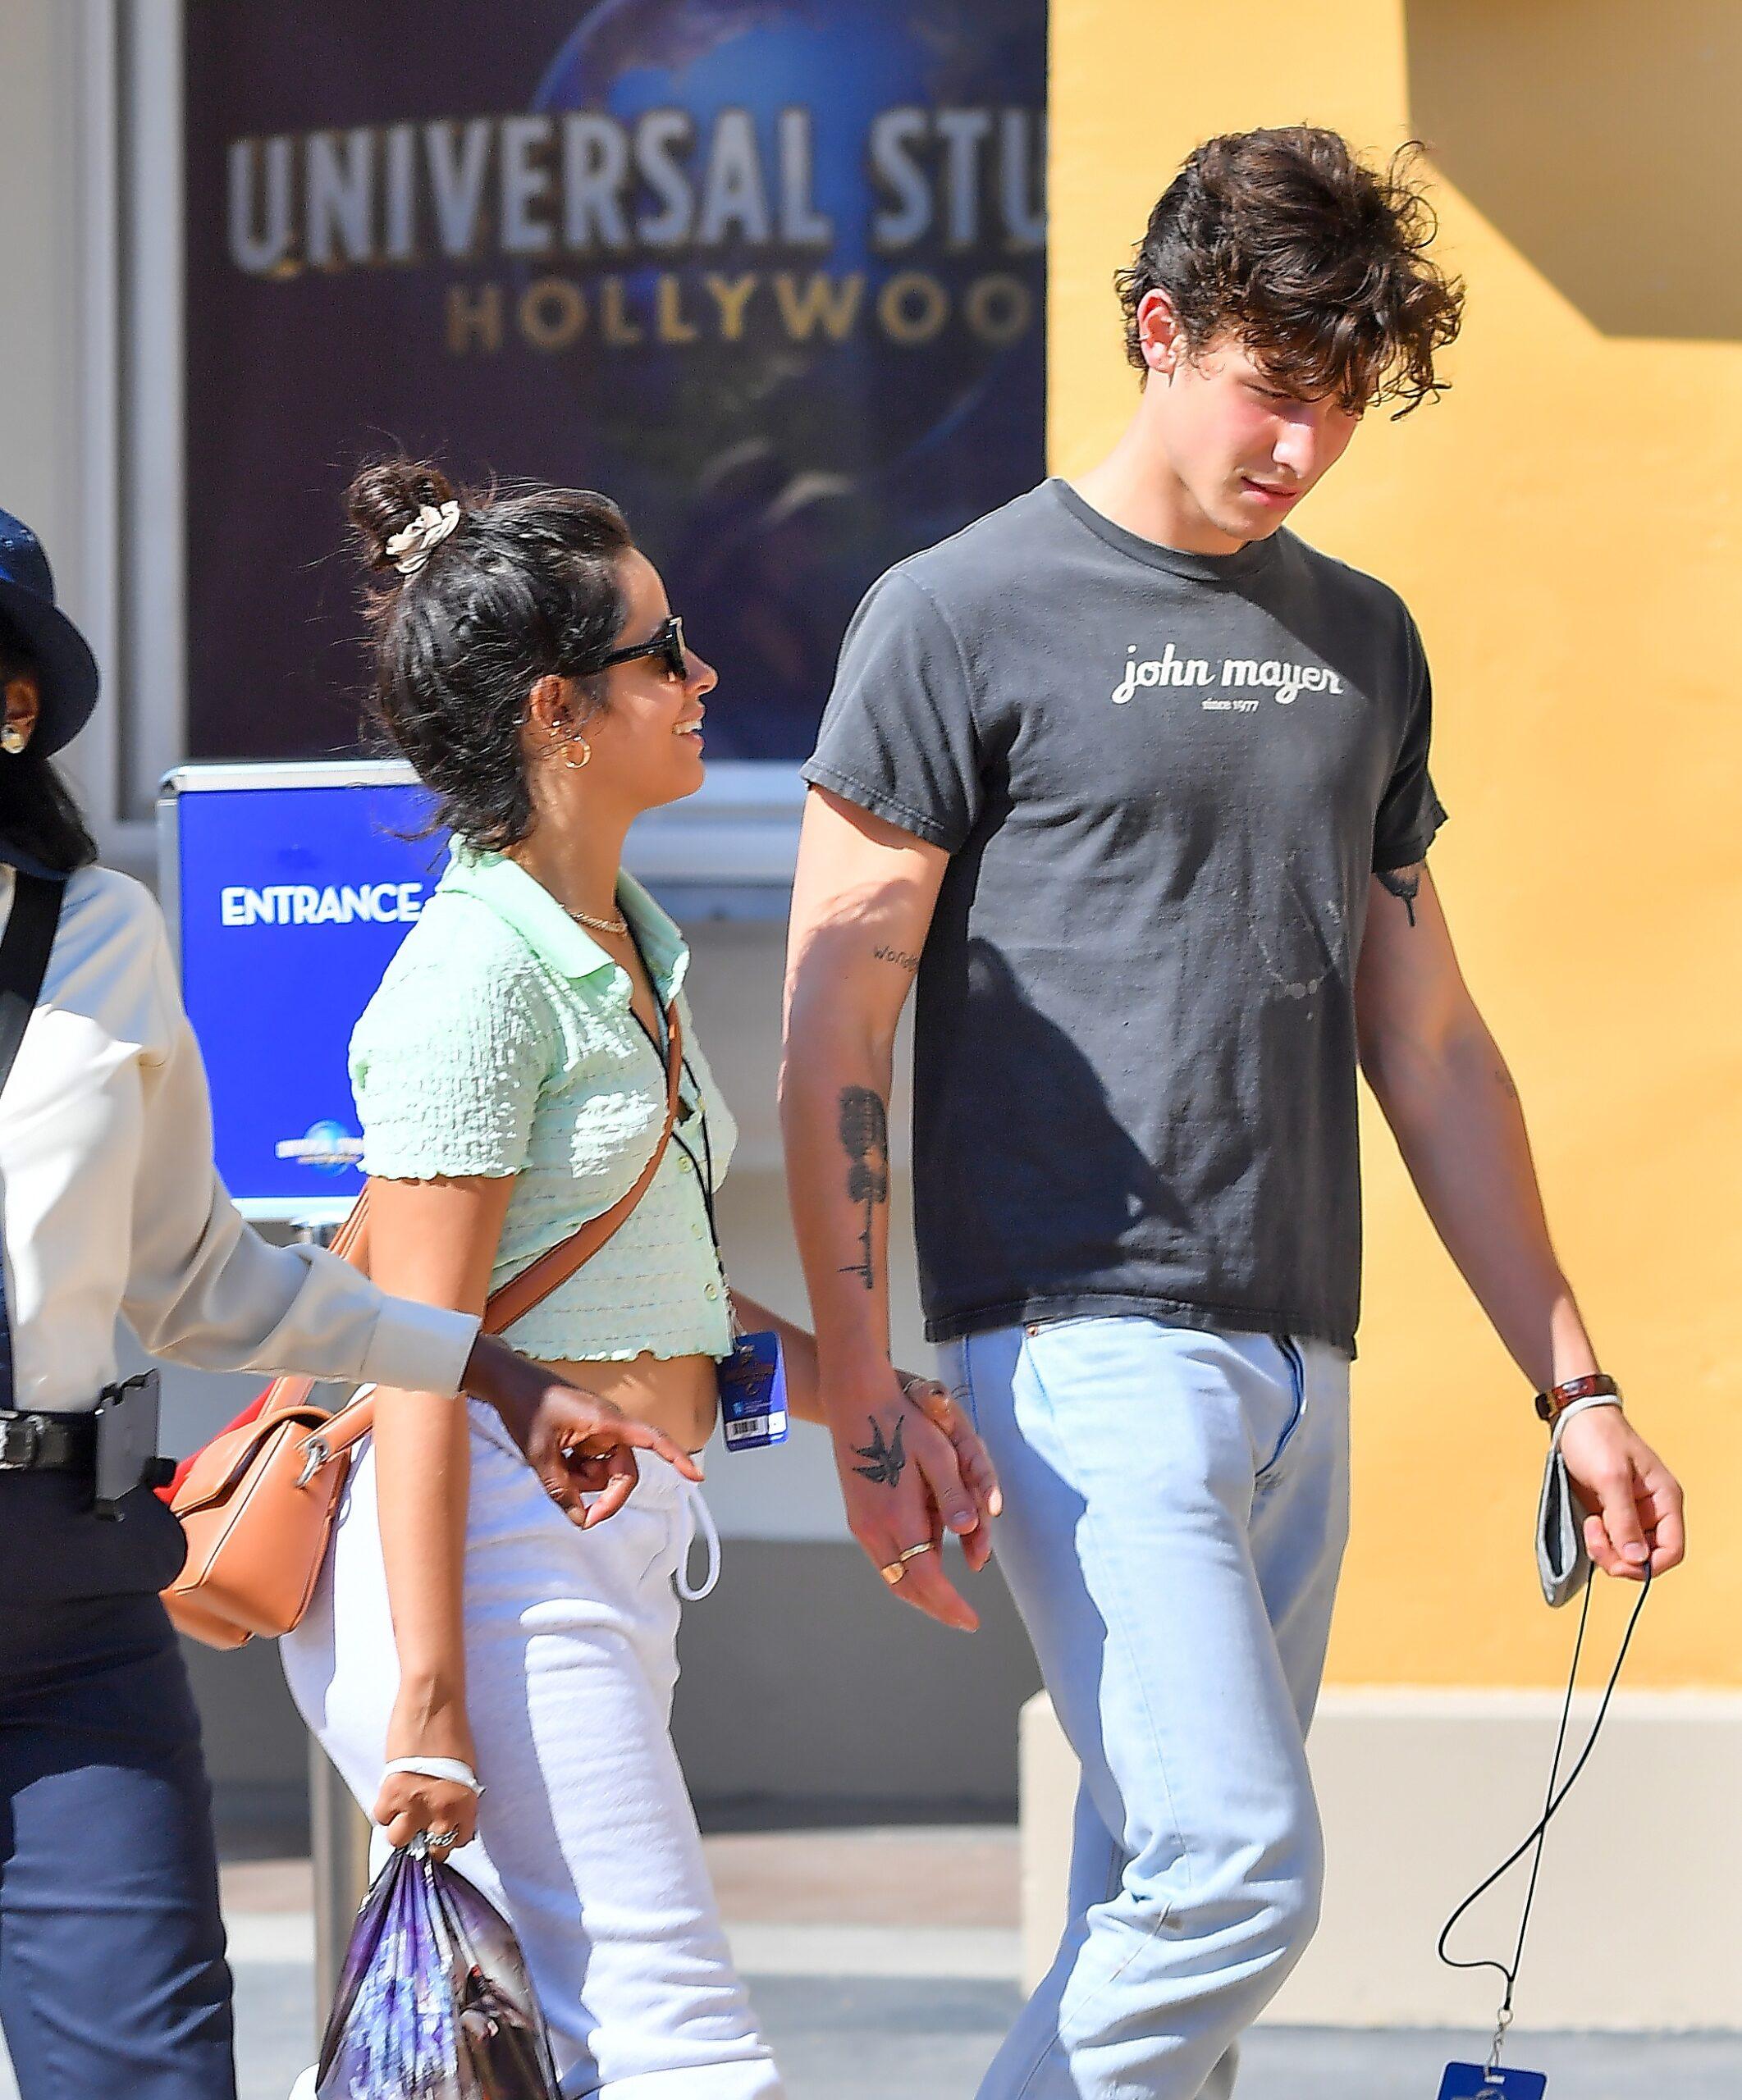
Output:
x,y
1405,884
865,1137
888,1461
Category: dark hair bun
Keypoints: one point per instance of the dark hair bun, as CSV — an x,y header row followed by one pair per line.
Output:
x,y
511,586
386,496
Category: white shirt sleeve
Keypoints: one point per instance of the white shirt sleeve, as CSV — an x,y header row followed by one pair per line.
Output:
x,y
203,1288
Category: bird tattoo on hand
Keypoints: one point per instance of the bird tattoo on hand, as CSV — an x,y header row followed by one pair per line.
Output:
x,y
887,1460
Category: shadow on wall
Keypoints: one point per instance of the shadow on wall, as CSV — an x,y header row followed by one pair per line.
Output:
x,y
1601,138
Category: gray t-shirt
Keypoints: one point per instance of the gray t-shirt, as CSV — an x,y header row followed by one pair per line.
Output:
x,y
1164,780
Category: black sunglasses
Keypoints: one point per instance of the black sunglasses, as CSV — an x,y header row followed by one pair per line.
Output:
x,y
666,642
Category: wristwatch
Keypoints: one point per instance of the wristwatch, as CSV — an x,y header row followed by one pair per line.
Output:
x,y
1553,1403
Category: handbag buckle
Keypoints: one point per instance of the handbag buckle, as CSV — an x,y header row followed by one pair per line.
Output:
x,y
316,1452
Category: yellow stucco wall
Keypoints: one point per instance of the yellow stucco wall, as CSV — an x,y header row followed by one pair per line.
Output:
x,y
1564,525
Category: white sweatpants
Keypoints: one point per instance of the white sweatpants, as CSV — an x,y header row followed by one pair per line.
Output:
x,y
586,1841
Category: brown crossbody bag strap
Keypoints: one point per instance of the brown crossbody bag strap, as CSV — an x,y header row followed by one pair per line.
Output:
x,y
538,1279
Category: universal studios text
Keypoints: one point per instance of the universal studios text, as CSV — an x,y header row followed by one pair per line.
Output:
x,y
581,227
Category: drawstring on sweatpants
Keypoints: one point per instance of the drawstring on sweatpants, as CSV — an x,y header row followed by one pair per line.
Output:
x,y
698,1519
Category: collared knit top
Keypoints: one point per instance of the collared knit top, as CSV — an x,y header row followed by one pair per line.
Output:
x,y
502,1040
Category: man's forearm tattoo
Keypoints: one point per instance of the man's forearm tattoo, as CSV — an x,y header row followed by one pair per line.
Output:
x,y
888,1461
884,952
1404,882
864,1138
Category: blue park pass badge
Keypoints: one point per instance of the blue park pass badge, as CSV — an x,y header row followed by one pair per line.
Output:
x,y
752,1393
1471,2082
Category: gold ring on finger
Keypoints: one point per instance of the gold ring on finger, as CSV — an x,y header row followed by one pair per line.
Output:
x,y
896,1568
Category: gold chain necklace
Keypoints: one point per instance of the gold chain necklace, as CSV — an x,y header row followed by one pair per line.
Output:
x,y
619,924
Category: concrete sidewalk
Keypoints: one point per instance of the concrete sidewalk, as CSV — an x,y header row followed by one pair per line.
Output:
x,y
890,2038
883,1963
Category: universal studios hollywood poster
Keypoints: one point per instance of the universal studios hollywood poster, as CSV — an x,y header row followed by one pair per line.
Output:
x,y
769,272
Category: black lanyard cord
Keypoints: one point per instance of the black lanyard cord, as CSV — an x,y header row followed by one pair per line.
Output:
x,y
706,1178
1557,1793
660,1051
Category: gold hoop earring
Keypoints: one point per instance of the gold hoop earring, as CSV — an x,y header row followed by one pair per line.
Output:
x,y
12,739
575,765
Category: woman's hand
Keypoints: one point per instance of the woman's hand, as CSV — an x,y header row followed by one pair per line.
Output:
x,y
933,1400
576,1442
427,1722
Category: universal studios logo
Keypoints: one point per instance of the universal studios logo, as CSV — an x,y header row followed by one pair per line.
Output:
x,y
661,229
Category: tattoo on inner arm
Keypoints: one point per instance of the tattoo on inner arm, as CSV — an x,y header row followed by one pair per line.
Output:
x,y
864,1138
885,952
888,1461
1406,884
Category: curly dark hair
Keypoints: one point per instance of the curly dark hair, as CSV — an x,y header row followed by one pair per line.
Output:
x,y
524,587
1316,263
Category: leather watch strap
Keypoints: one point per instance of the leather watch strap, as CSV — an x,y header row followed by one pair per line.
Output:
x,y
1551,1405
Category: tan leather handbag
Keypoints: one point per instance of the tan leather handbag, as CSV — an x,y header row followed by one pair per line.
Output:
x,y
258,1502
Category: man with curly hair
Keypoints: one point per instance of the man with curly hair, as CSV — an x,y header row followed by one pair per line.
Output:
x,y
1136,782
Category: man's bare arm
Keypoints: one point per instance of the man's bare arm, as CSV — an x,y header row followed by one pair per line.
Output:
x,y
862,899
1443,1085
1439,1077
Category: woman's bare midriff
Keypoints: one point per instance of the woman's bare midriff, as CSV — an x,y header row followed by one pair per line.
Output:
x,y
677,1394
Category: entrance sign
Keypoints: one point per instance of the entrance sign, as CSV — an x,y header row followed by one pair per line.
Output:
x,y
289,888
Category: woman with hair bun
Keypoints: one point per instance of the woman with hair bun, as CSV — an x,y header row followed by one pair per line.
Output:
x,y
511,1076
112,1978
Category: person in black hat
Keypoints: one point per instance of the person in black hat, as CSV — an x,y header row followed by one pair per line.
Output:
x,y
113,1977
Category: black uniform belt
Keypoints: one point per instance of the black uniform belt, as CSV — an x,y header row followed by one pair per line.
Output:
x,y
46,1443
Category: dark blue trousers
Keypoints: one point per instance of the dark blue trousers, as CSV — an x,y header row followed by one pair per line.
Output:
x,y
113,1984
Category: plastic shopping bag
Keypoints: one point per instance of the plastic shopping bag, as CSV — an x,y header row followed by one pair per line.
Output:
x,y
433,2001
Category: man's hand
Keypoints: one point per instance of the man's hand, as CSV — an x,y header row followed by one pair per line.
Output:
x,y
900,1454
978,1474
576,1442
1633,1498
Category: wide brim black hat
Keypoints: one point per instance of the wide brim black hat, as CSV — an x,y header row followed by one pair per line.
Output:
x,y
67,680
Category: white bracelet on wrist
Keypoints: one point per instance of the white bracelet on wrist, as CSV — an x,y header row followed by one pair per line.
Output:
x,y
453,1769
1578,1407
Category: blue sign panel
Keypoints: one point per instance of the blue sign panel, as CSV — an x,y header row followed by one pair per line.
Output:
x,y
291,901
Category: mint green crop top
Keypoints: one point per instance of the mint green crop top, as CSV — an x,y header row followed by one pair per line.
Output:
x,y
501,1041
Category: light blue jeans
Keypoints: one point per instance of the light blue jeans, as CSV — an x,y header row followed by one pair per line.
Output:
x,y
1175,1509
